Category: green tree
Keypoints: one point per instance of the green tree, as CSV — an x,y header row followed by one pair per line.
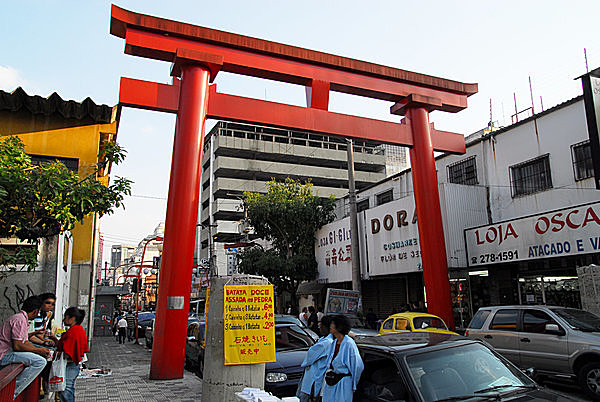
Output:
x,y
287,216
42,201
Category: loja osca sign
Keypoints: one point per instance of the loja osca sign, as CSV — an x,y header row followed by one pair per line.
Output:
x,y
568,231
388,221
575,218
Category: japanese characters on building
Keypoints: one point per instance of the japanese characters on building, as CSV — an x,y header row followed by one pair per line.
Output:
x,y
249,323
390,234
333,252
569,231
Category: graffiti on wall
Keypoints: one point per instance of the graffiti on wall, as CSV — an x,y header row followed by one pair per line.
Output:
x,y
15,297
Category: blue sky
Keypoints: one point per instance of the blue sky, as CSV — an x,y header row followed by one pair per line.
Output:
x,y
65,47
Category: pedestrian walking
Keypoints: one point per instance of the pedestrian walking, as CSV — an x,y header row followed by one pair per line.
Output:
x,y
131,323
371,318
16,348
320,313
304,316
115,327
122,327
74,345
313,320
315,364
344,363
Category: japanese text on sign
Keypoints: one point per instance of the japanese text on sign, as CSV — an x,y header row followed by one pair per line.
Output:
x,y
249,324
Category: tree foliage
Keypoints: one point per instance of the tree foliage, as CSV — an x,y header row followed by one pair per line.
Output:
x,y
287,216
41,201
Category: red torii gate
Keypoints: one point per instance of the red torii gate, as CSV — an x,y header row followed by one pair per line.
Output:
x,y
198,54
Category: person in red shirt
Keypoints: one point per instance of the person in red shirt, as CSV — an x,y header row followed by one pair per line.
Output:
x,y
74,345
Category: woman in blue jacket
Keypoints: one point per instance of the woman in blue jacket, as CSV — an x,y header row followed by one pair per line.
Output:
x,y
315,364
344,364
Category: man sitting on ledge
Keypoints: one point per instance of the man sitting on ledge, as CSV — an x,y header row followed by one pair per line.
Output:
x,y
15,347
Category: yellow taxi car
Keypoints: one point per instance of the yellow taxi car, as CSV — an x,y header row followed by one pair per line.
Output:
x,y
414,322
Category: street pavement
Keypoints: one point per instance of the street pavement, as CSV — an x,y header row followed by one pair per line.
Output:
x,y
130,365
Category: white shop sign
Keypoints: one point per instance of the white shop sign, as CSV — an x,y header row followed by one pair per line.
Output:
x,y
393,238
333,252
569,231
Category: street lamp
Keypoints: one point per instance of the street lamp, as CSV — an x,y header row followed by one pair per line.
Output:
x,y
137,287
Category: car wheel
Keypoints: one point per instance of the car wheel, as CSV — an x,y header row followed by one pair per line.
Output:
x,y
200,370
589,379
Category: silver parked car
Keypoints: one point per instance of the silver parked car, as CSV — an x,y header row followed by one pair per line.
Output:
x,y
556,341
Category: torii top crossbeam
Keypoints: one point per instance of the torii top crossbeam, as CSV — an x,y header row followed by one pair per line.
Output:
x,y
319,72
198,54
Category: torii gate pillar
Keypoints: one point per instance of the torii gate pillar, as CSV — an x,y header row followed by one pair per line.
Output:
x,y
180,224
429,217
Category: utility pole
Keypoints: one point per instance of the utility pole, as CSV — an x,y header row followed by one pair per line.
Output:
x,y
353,220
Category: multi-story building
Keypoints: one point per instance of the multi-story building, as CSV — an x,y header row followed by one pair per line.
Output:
x,y
120,256
396,159
520,210
241,157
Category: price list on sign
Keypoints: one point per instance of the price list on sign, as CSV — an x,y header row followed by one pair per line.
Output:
x,y
249,324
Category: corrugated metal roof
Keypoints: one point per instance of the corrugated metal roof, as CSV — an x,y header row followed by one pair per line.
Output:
x,y
19,100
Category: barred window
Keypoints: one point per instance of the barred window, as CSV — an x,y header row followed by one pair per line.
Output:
x,y
583,165
362,205
463,172
385,197
531,176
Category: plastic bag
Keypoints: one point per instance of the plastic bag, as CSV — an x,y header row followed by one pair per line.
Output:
x,y
56,381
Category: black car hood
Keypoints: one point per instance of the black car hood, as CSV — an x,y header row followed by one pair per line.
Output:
x,y
287,359
540,394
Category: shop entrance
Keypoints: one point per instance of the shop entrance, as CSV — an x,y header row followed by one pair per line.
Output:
x,y
550,290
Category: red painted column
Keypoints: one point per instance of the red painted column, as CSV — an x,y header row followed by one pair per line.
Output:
x,y
168,351
429,216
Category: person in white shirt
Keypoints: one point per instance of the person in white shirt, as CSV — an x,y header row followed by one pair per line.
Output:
x,y
122,327
304,316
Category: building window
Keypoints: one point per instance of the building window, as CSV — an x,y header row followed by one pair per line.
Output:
x,y
384,197
463,172
583,165
70,163
362,205
531,176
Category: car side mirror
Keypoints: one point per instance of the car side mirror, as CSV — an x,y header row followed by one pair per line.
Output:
x,y
554,329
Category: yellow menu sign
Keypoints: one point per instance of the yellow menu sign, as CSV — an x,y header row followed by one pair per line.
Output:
x,y
249,324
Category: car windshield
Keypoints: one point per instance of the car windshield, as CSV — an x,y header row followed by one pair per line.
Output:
x,y
291,337
462,371
428,322
582,320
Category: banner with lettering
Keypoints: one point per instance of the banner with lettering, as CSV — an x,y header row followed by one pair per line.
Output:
x,y
333,252
249,324
393,238
564,232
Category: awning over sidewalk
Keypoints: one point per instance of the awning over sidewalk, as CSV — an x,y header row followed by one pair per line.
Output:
x,y
309,288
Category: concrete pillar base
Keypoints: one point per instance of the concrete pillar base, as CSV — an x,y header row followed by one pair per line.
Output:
x,y
220,382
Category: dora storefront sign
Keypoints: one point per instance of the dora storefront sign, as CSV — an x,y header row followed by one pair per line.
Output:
x,y
249,324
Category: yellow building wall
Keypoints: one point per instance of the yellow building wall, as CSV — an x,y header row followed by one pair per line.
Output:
x,y
82,143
